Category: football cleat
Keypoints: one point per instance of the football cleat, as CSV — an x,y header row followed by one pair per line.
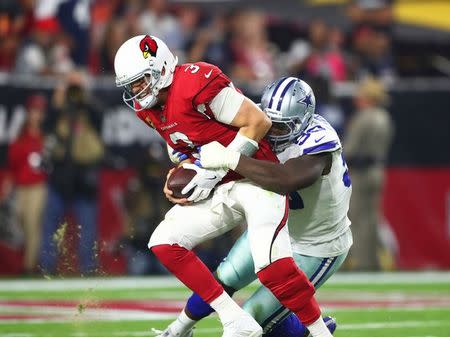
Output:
x,y
169,333
330,322
244,326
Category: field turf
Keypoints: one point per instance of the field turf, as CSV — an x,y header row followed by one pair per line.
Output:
x,y
365,305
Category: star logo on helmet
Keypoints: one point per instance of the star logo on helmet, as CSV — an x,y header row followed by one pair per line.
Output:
x,y
148,46
306,100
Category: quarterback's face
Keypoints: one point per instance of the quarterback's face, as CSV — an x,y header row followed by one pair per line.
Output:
x,y
141,87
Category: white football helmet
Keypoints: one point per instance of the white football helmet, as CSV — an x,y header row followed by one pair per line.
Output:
x,y
290,104
144,57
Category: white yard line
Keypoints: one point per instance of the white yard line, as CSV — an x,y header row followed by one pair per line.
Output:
x,y
168,281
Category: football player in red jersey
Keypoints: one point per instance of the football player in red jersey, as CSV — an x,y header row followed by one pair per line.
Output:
x,y
191,105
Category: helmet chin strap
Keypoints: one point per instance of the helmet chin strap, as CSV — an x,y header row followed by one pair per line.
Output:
x,y
151,102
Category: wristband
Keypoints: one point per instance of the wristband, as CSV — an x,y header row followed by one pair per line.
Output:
x,y
243,145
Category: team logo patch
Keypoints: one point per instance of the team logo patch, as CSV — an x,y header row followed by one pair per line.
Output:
x,y
149,122
148,46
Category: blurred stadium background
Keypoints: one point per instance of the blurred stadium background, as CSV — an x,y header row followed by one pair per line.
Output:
x,y
108,168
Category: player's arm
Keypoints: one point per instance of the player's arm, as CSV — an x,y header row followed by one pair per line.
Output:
x,y
229,106
295,174
252,122
291,176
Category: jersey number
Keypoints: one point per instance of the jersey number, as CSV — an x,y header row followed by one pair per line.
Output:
x,y
346,176
295,201
179,137
193,68
304,137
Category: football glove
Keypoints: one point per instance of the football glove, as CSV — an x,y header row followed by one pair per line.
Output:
x,y
203,182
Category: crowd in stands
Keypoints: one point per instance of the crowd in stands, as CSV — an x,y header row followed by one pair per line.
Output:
x,y
252,46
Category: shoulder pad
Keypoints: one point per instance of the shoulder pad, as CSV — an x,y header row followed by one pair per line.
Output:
x,y
318,137
200,82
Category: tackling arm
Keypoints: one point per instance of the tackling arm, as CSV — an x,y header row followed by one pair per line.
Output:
x,y
295,174
291,176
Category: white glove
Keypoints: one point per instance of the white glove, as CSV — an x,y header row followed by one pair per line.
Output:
x,y
203,182
216,156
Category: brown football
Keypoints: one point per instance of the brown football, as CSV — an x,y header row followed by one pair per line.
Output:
x,y
179,178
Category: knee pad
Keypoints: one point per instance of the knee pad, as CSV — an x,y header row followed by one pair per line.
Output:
x,y
227,275
229,290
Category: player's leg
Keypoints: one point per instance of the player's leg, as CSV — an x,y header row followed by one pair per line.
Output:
x,y
234,272
262,305
269,240
172,241
277,320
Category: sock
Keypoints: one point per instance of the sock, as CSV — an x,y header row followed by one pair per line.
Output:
x,y
288,327
292,288
182,324
226,308
189,269
319,329
197,307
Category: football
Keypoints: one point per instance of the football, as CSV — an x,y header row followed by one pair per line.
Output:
x,y
179,178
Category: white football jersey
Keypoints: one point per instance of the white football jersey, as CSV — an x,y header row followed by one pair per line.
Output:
x,y
318,222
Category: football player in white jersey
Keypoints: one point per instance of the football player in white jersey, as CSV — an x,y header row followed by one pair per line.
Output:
x,y
312,170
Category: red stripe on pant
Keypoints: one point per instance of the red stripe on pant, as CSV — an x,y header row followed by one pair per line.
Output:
x,y
280,226
190,270
292,288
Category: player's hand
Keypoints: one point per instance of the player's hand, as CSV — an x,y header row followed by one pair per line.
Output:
x,y
169,193
215,155
202,183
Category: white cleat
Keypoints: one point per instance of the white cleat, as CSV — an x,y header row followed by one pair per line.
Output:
x,y
169,333
244,326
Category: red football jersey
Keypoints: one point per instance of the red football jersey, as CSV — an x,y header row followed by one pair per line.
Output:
x,y
182,125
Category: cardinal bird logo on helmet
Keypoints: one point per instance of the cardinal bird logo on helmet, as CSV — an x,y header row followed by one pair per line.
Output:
x,y
148,46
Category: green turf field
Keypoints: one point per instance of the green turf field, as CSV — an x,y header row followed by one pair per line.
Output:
x,y
365,305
